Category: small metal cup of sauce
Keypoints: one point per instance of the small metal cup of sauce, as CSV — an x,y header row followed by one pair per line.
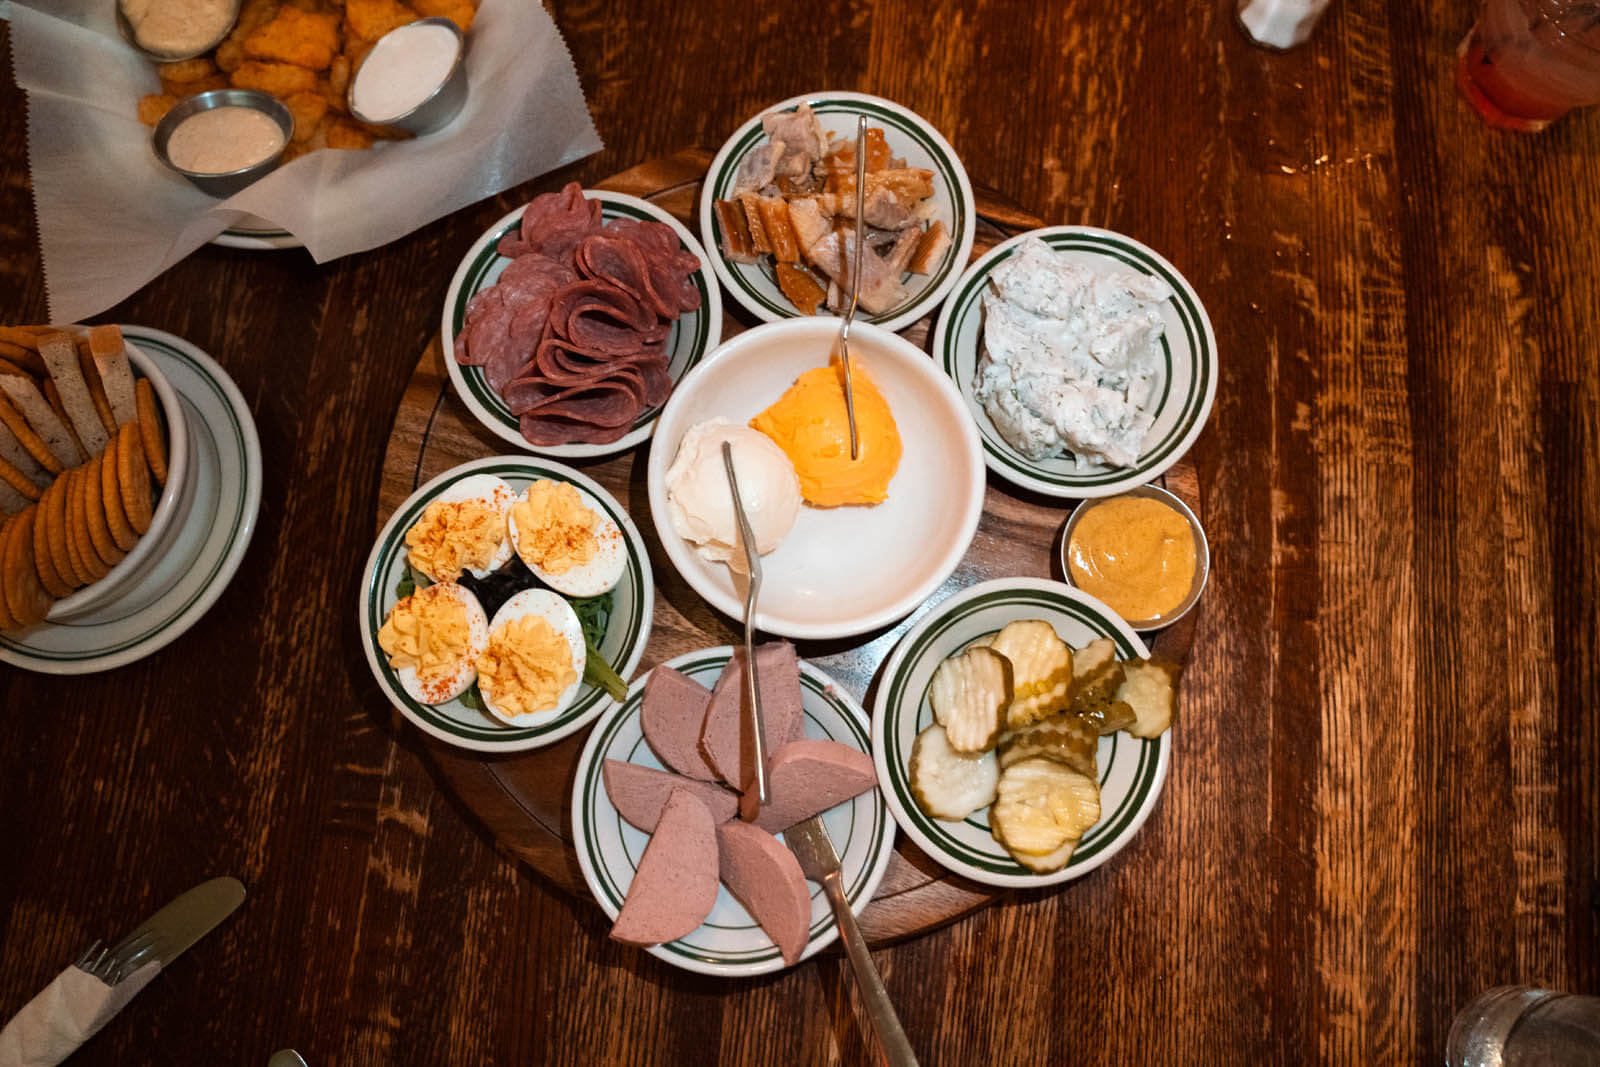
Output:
x,y
174,30
224,183
409,81
1202,555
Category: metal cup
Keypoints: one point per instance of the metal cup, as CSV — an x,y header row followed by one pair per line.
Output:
x,y
440,106
224,185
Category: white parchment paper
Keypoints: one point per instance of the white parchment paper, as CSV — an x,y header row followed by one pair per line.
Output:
x,y
111,217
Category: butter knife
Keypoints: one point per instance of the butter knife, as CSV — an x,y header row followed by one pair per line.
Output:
x,y
169,932
809,842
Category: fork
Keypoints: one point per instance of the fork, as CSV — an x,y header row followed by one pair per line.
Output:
x,y
112,965
757,797
855,284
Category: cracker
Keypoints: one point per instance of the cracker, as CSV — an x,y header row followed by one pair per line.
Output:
x,y
8,367
55,525
18,481
23,354
155,448
97,392
78,529
26,599
6,621
31,442
60,353
111,498
37,411
52,397
12,452
111,360
94,508
133,477
43,561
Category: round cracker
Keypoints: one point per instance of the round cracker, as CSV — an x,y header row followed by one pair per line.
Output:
x,y
6,621
94,510
42,561
155,448
55,503
68,483
111,500
133,477
78,527
26,600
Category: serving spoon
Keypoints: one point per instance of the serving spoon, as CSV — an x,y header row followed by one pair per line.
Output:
x,y
752,800
855,283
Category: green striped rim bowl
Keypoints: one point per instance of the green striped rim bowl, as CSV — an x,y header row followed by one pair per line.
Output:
x,y
1132,771
1185,393
693,335
729,942
455,722
910,136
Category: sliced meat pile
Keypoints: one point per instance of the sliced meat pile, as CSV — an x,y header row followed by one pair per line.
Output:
x,y
692,815
572,335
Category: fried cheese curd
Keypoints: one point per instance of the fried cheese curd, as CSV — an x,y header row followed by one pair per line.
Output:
x,y
455,535
555,531
303,52
810,423
527,666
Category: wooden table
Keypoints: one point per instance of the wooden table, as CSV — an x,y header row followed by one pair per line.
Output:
x,y
1386,788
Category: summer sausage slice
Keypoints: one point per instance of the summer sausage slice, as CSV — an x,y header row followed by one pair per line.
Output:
x,y
765,877
723,739
806,778
675,887
671,715
640,794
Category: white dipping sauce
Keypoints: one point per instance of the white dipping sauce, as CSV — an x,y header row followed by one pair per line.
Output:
x,y
402,70
223,139
177,27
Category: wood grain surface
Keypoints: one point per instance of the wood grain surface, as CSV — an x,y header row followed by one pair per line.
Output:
x,y
1385,794
524,801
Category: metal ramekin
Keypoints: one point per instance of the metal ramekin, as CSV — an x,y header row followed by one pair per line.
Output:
x,y
1202,552
224,184
440,106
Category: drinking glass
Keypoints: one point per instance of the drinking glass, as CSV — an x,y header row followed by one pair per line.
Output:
x,y
1519,1026
1528,62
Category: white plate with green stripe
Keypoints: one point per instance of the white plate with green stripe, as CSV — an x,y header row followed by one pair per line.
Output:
x,y
1132,771
729,942
205,552
460,722
694,334
1185,393
255,234
909,136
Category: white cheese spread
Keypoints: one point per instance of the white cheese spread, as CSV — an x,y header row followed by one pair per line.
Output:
x,y
1071,358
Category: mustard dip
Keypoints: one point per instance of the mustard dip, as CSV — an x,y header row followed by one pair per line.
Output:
x,y
1136,554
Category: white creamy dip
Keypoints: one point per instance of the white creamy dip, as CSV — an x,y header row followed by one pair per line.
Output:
x,y
178,27
1071,355
223,139
403,70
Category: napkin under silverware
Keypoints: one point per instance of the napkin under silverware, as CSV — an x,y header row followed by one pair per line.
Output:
x,y
111,217
72,1009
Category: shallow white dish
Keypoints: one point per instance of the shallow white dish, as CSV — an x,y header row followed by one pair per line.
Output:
x,y
1185,395
754,285
840,571
170,508
1132,771
729,942
456,721
208,543
256,234
693,335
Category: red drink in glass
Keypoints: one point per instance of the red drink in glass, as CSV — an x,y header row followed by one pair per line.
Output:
x,y
1528,62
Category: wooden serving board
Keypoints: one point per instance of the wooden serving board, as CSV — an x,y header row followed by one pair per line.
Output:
x,y
524,800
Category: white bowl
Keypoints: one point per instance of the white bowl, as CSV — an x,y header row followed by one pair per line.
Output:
x,y
910,136
1188,387
1132,771
840,571
170,510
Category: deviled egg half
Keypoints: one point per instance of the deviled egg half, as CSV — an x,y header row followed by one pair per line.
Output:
x,y
564,536
463,529
433,639
533,664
